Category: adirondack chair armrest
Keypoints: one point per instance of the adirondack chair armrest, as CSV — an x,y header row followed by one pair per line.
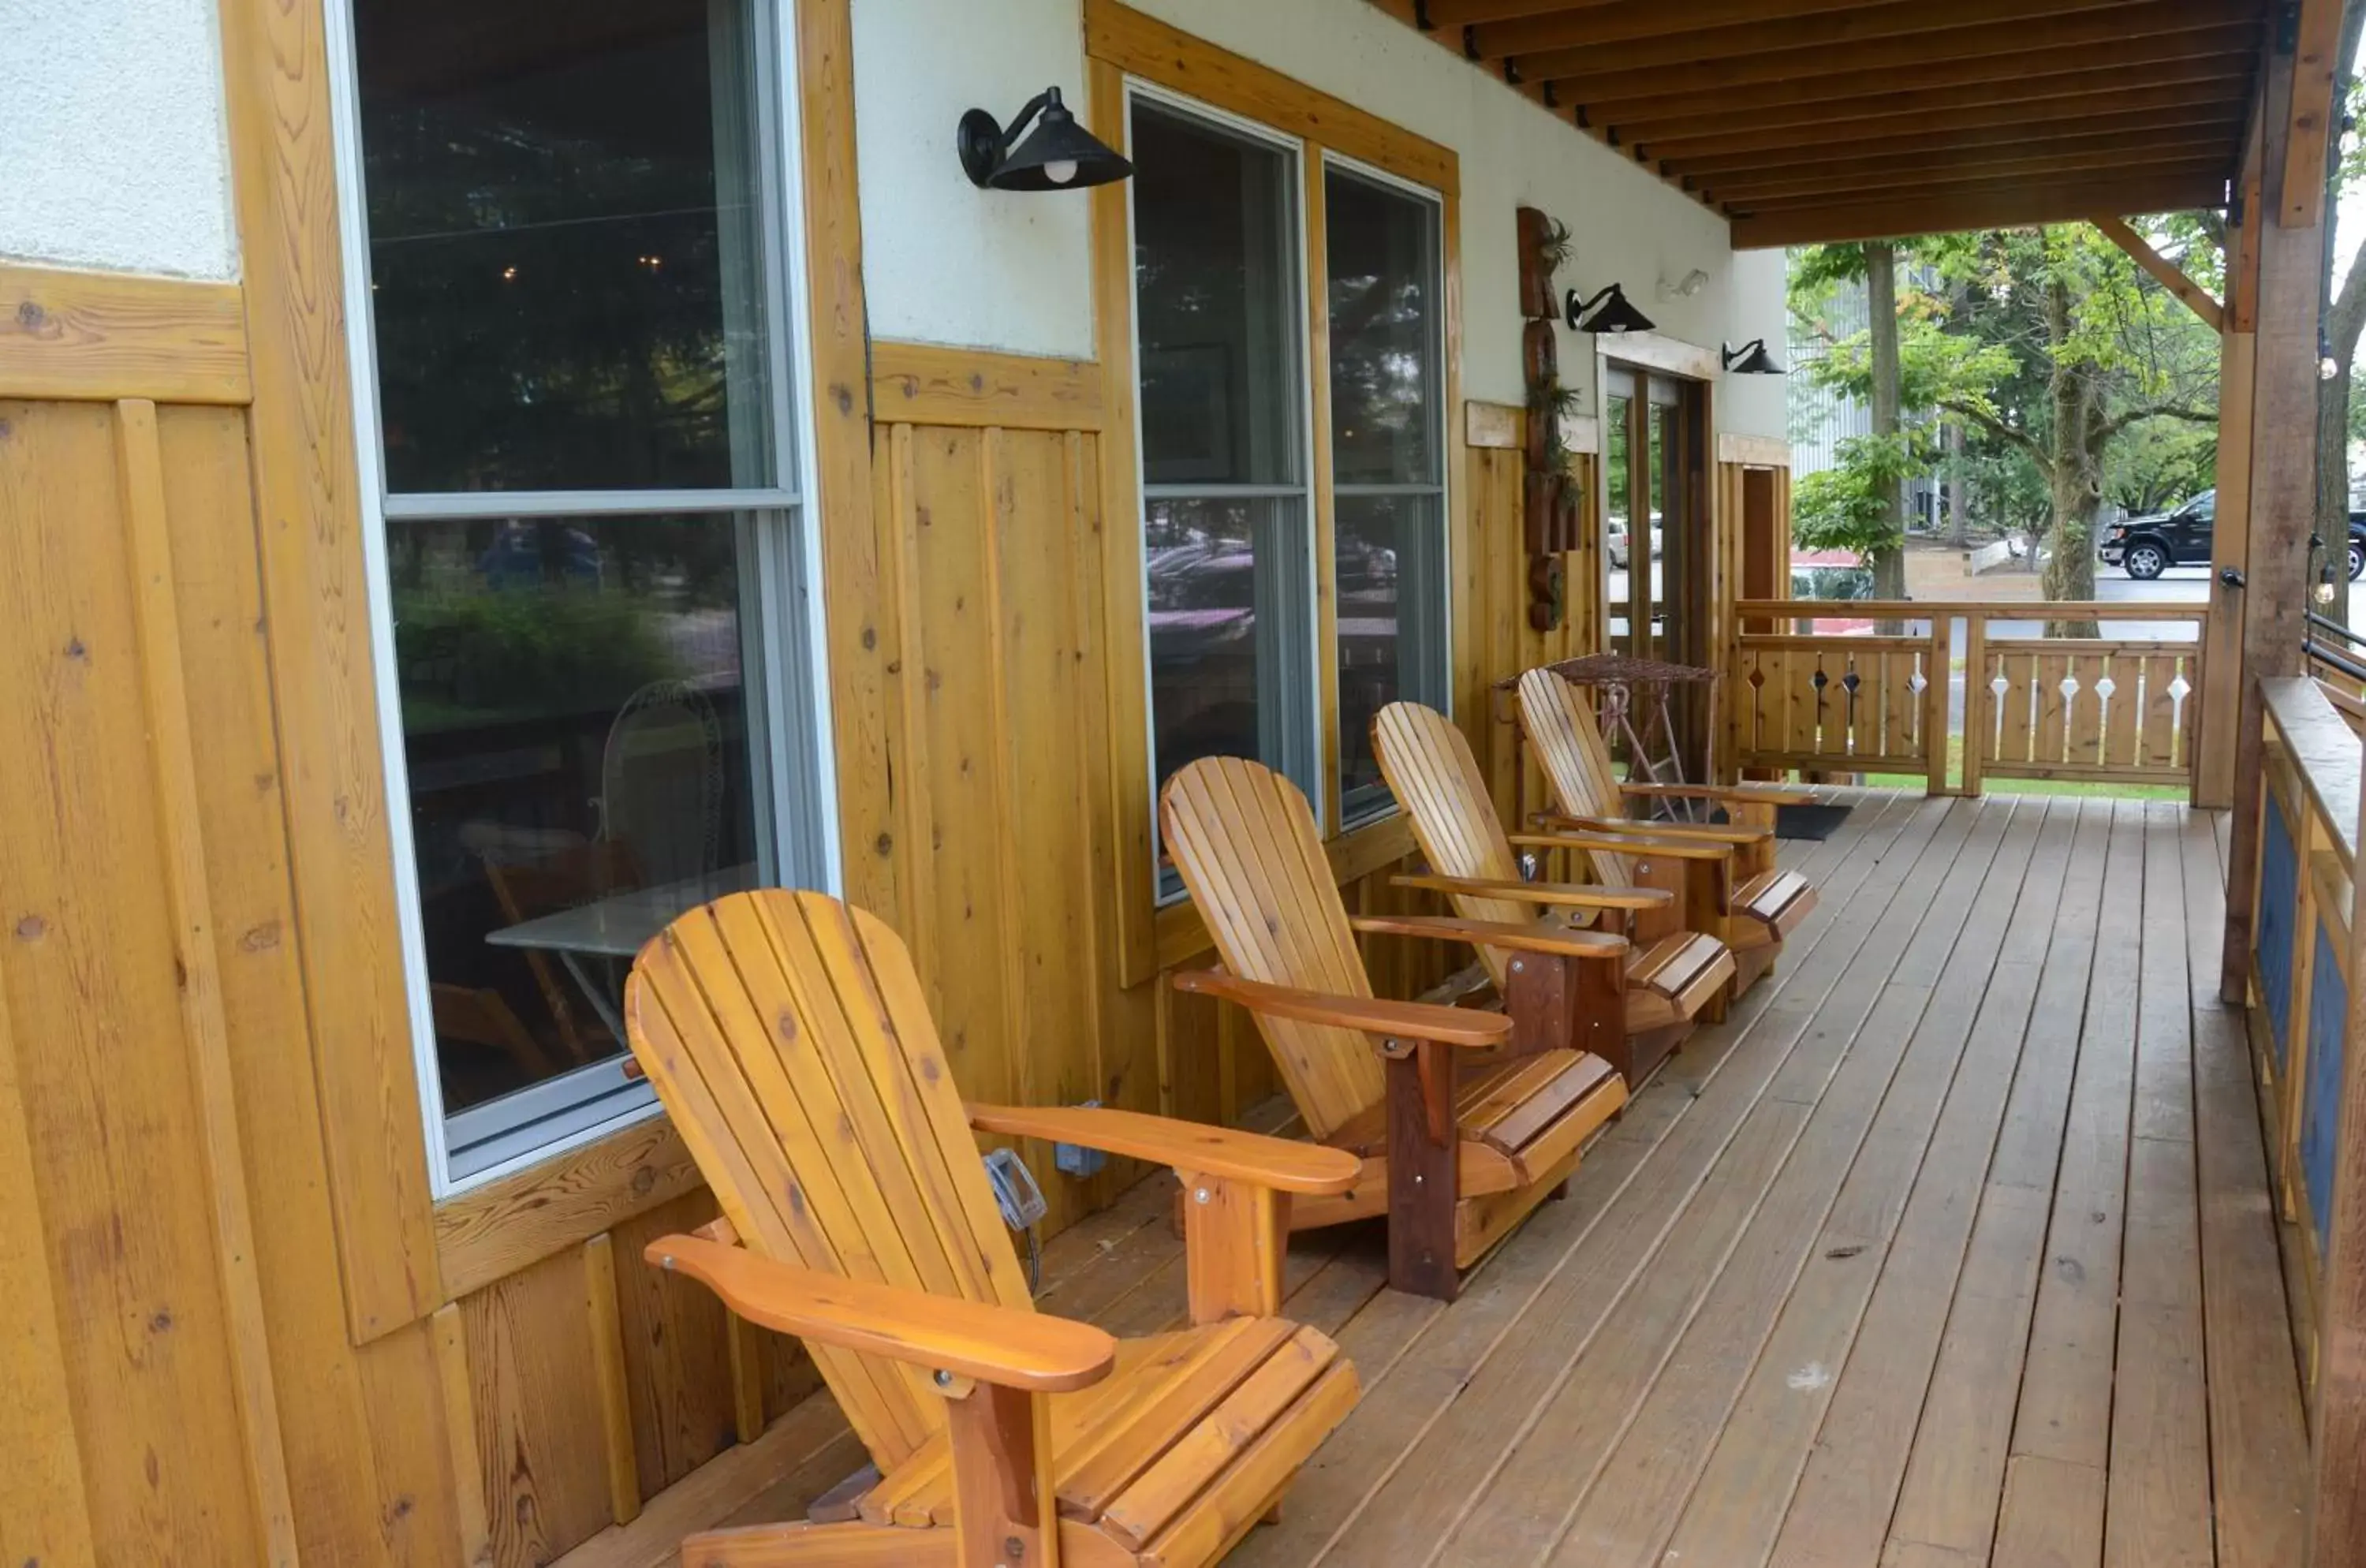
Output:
x,y
1636,844
1010,1348
1707,833
1557,942
1409,1021
1283,1165
1767,795
1571,895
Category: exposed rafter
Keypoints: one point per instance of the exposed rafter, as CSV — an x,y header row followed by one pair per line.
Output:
x,y
1791,116
2172,277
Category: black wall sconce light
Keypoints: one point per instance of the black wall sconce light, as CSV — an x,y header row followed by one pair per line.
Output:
x,y
1608,311
1059,155
1752,359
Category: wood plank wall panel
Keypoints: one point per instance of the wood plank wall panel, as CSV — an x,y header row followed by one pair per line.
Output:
x,y
363,1427
102,1059
1502,641
109,1114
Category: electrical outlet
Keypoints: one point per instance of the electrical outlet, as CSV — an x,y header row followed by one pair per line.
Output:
x,y
1075,1159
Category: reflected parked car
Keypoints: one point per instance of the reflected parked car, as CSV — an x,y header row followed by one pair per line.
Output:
x,y
1831,575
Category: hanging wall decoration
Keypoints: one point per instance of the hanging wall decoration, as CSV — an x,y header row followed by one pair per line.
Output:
x,y
1552,505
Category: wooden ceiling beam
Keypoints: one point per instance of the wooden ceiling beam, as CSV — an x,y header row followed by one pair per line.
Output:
x,y
1411,12
2027,205
1702,29
2206,182
1445,13
1960,109
1993,139
2316,38
1942,58
1757,193
2228,47
2170,275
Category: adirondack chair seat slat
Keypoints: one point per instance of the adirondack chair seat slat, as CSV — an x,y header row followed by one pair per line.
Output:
x,y
790,1040
1120,1450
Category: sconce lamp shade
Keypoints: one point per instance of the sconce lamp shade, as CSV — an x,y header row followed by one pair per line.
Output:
x,y
1608,311
1752,359
1060,155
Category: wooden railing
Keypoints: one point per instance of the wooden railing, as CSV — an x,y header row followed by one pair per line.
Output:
x,y
1825,702
2301,961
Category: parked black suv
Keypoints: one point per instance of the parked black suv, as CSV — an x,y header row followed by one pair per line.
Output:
x,y
2146,546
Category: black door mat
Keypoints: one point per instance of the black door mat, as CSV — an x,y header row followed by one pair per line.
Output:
x,y
1809,821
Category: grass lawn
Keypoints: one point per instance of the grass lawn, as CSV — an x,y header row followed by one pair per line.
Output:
x,y
2025,787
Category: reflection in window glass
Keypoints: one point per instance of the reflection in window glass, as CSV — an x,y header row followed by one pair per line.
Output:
x,y
1618,553
603,710
1665,488
1387,378
577,733
1391,577
1223,439
563,230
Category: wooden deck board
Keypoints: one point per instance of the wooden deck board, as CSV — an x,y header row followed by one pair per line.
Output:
x,y
1843,1287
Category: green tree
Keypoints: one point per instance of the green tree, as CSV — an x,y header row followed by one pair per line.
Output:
x,y
2050,349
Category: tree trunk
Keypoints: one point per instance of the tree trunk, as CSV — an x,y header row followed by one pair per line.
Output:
x,y
2075,481
2331,564
1888,562
1959,508
2345,316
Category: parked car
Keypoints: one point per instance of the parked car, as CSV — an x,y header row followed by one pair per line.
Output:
x,y
1616,541
1831,575
2145,547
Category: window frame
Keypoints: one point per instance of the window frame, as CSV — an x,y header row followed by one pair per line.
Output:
x,y
1125,46
1313,162
1349,817
1301,699
781,557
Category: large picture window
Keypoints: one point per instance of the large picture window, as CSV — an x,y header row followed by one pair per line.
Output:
x,y
1388,463
591,564
1221,346
1233,503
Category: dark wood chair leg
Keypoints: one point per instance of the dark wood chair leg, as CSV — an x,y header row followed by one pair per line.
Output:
x,y
1422,1169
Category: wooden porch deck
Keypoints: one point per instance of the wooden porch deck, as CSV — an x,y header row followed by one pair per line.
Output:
x,y
1952,1246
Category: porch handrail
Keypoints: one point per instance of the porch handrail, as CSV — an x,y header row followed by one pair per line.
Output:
x,y
2103,707
1987,609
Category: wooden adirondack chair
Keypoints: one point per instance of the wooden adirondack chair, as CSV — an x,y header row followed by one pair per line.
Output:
x,y
1737,892
1463,1120
790,1039
1635,1012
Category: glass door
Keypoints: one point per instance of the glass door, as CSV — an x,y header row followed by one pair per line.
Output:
x,y
1655,530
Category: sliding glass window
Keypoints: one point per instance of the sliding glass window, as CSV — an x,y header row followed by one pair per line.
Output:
x,y
577,360
1227,542
1387,394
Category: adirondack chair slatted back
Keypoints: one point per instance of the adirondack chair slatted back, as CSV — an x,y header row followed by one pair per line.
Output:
x,y
1430,769
790,1038
1569,745
1244,839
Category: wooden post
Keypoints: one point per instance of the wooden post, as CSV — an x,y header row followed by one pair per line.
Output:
x,y
1940,674
2221,651
1977,726
2273,603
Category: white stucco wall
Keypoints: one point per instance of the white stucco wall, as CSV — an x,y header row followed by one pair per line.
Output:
x,y
945,263
112,151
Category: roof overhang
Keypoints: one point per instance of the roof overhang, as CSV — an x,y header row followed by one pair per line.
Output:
x,y
1808,120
